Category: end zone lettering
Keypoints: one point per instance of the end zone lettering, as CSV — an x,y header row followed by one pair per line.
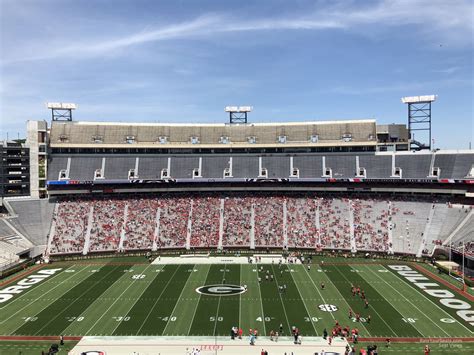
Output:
x,y
26,283
445,297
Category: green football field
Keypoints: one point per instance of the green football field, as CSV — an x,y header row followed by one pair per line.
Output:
x,y
112,298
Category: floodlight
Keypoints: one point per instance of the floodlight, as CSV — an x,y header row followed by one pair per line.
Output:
x,y
61,106
238,108
419,99
245,108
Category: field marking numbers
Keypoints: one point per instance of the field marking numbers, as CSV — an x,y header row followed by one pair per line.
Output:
x,y
261,305
40,296
317,289
348,305
116,298
70,304
133,304
437,306
197,303
176,304
281,299
383,320
302,300
219,301
156,302
419,310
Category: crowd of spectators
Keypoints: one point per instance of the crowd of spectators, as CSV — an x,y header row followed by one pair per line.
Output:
x,y
193,220
237,221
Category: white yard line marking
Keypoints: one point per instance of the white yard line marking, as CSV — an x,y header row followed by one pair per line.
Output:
x,y
219,303
437,306
342,298
307,311
383,320
112,304
261,302
31,289
176,304
240,297
393,288
156,302
70,304
281,299
138,298
41,295
197,304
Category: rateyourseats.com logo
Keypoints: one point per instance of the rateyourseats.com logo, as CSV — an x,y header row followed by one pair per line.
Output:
x,y
221,290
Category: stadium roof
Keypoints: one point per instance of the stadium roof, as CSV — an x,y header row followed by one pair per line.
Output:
x,y
113,134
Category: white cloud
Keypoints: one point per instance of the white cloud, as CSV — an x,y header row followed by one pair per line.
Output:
x,y
438,20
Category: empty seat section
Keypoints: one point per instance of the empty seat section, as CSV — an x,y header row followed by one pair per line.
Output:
x,y
416,166
150,167
182,167
277,166
82,168
310,166
118,167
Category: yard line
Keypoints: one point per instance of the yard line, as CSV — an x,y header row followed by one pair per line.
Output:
x,y
78,297
309,315
261,301
281,299
159,267
317,289
393,288
339,292
383,320
219,303
437,306
176,304
115,301
41,295
240,296
156,302
197,304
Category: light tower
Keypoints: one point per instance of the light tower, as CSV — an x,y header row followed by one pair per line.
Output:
x,y
61,111
238,114
419,118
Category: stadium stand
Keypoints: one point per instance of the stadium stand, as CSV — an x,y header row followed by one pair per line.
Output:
x,y
32,218
402,225
413,165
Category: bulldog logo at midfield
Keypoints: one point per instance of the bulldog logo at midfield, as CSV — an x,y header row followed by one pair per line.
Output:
x,y
221,290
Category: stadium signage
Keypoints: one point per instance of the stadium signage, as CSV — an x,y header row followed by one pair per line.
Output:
x,y
446,298
25,284
221,290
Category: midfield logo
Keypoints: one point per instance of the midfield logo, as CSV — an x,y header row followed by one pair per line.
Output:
x,y
221,290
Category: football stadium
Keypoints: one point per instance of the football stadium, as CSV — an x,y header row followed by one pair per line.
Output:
x,y
237,238
236,177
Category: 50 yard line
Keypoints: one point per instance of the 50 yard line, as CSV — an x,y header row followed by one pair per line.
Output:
x,y
219,303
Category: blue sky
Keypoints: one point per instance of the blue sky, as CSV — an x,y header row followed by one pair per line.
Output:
x,y
183,61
